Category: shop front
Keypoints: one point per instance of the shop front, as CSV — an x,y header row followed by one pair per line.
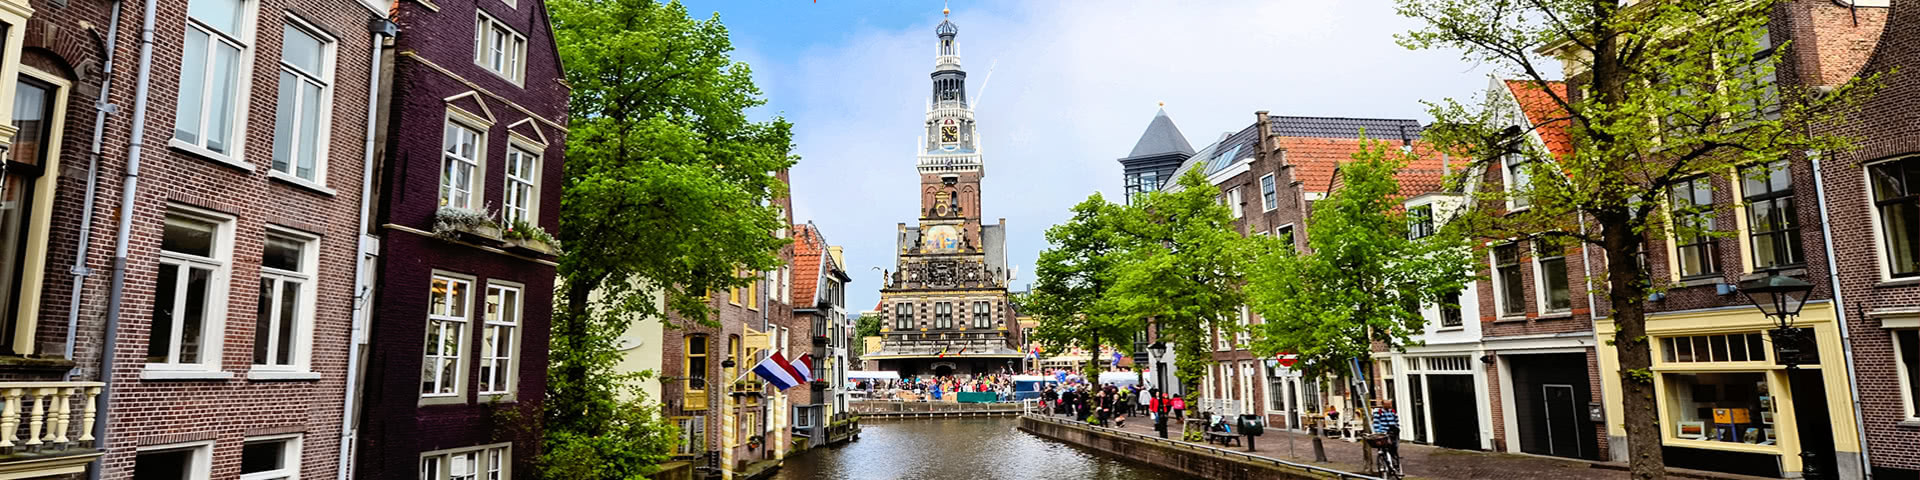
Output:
x,y
1728,403
1441,399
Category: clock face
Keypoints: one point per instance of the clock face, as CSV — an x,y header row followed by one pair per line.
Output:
x,y
949,133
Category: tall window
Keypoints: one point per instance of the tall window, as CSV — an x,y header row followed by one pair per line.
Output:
x,y
459,160
498,340
1141,184
1550,257
696,363
1762,72
1518,182
483,463
276,458
1773,226
447,319
1692,220
286,279
1269,193
1285,234
982,315
942,315
1419,222
1506,271
34,104
693,435
299,132
1907,342
187,293
1896,201
499,48
521,195
903,316
1450,310
217,46
1234,202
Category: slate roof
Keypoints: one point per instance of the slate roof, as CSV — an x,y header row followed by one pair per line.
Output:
x,y
1342,127
809,260
1161,138
1232,148
1546,117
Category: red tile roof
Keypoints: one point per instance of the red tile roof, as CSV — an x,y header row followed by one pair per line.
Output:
x,y
1315,159
1545,116
809,253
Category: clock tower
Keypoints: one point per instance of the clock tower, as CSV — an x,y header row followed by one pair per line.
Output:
x,y
946,300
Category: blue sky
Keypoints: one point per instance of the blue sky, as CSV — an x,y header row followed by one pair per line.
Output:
x,y
1072,86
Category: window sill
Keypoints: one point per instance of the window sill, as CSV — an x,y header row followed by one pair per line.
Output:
x,y
151,374
1698,281
1455,328
301,182
1911,422
456,399
1786,272
1510,319
1898,282
210,155
1555,316
281,375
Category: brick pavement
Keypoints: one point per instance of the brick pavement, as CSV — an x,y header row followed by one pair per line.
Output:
x,y
1427,462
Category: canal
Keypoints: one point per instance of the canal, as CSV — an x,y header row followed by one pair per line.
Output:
x,y
959,448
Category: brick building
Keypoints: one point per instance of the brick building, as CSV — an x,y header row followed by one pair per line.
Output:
x,y
1870,209
227,325
728,417
473,130
819,321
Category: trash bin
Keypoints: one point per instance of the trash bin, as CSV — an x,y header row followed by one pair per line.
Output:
x,y
1250,425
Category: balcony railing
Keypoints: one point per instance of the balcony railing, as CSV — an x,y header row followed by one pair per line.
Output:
x,y
53,416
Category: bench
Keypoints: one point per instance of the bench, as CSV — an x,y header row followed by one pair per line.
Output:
x,y
1224,439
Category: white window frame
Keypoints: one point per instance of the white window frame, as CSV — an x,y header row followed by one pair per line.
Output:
x,y
200,467
1541,295
486,28
1907,393
443,467
243,86
1499,296
1281,232
290,453
1884,262
1507,183
464,333
507,380
218,289
520,151
307,277
1269,193
476,182
324,79
1233,200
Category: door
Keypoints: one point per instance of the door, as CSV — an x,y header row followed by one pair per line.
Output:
x,y
1563,420
1418,407
1455,411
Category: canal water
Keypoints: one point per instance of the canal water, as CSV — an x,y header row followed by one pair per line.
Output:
x,y
960,448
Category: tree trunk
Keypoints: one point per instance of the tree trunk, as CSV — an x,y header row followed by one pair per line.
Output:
x,y
1319,449
1627,292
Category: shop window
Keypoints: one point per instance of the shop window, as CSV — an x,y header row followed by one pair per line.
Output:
x,y
1506,278
1694,247
1896,202
1744,347
1773,226
1728,407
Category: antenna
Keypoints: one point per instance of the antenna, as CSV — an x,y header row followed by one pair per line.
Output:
x,y
982,94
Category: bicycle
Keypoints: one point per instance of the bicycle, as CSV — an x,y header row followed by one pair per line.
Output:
x,y
1384,456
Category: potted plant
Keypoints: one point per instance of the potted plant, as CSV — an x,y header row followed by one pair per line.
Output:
x,y
465,224
527,237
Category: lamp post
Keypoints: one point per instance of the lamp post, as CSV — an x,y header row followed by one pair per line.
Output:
x,y
1781,297
1160,383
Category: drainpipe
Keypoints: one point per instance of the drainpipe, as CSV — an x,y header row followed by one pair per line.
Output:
x,y
142,73
381,29
1840,315
100,110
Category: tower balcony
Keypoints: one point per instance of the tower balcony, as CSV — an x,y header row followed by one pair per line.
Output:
x,y
950,164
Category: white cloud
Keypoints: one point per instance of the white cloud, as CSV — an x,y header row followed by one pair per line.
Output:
x,y
1072,87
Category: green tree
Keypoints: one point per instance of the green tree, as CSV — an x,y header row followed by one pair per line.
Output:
x,y
1182,268
1071,282
864,326
667,196
1663,91
1362,279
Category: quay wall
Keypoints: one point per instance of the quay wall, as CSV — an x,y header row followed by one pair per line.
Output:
x,y
1203,462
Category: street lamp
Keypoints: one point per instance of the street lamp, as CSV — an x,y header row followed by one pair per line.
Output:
x,y
1159,351
1781,297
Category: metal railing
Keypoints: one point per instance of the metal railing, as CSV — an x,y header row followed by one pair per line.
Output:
x,y
1176,444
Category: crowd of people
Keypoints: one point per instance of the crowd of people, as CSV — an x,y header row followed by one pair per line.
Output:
x,y
933,388
1109,403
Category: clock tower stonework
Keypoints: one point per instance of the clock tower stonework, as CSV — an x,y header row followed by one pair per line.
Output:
x,y
946,300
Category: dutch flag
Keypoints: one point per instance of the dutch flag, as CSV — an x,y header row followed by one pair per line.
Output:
x,y
804,365
776,370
